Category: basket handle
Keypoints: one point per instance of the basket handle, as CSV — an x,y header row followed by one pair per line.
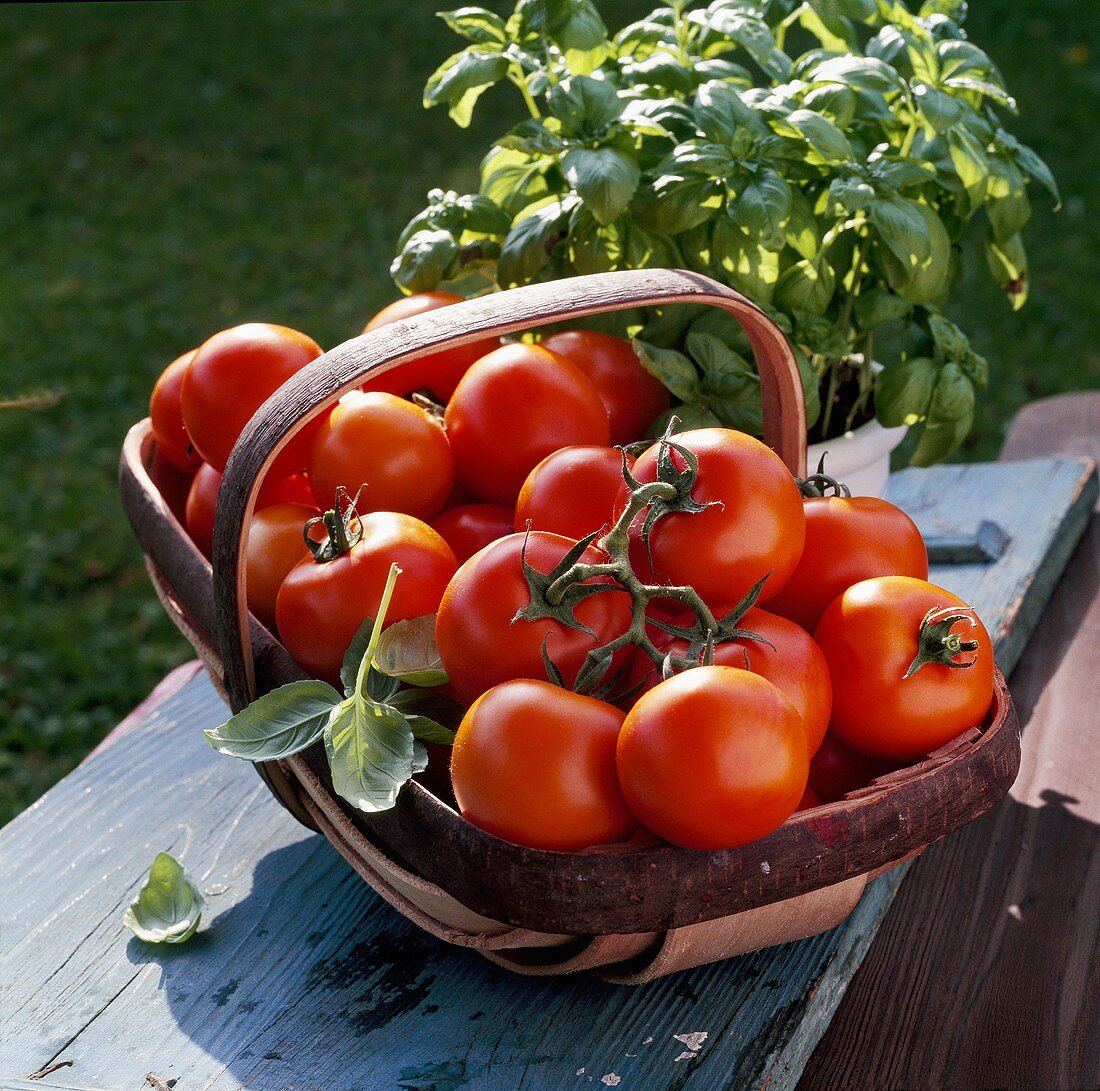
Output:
x,y
322,382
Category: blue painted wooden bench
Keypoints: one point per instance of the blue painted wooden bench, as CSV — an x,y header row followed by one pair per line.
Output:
x,y
301,978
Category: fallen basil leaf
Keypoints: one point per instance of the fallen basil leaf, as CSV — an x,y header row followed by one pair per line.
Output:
x,y
168,907
278,724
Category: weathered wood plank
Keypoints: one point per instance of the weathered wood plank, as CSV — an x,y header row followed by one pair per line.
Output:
x,y
986,972
302,978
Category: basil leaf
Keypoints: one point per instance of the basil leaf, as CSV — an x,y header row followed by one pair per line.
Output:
x,y
585,106
513,180
903,391
830,144
1038,170
949,340
278,724
744,263
532,138
372,753
920,275
592,248
939,111
1008,263
461,79
527,246
971,164
729,387
427,730
673,369
604,178
900,226
721,113
690,415
950,414
875,307
806,286
476,25
168,907
762,207
424,261
673,204
429,703
407,651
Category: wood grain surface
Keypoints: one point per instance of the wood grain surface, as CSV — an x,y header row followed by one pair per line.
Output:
x,y
986,973
301,978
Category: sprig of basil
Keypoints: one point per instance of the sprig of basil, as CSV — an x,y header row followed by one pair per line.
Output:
x,y
374,734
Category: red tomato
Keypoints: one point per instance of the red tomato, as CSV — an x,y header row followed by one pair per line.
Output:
x,y
230,376
166,415
511,409
480,644
275,546
793,662
633,398
471,527
713,758
390,446
836,769
202,500
757,526
535,764
848,539
172,483
572,491
320,606
869,636
438,373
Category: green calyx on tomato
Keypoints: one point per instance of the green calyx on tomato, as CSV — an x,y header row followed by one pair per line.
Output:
x,y
937,643
819,483
342,529
557,594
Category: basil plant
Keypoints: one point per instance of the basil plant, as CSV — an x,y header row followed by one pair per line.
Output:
x,y
824,158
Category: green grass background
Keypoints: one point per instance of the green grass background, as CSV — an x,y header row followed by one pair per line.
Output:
x,y
167,170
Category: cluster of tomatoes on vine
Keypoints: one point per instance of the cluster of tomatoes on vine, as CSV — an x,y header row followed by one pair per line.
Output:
x,y
599,602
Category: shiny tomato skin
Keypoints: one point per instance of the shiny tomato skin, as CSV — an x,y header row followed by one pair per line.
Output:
x,y
321,606
230,376
470,527
713,758
793,662
757,526
275,546
392,448
836,769
202,500
166,415
848,539
481,646
535,764
633,398
572,491
438,373
869,638
513,408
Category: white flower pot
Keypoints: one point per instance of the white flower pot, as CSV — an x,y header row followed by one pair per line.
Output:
x,y
860,458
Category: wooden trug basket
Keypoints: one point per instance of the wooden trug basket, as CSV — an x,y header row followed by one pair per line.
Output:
x,y
630,913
